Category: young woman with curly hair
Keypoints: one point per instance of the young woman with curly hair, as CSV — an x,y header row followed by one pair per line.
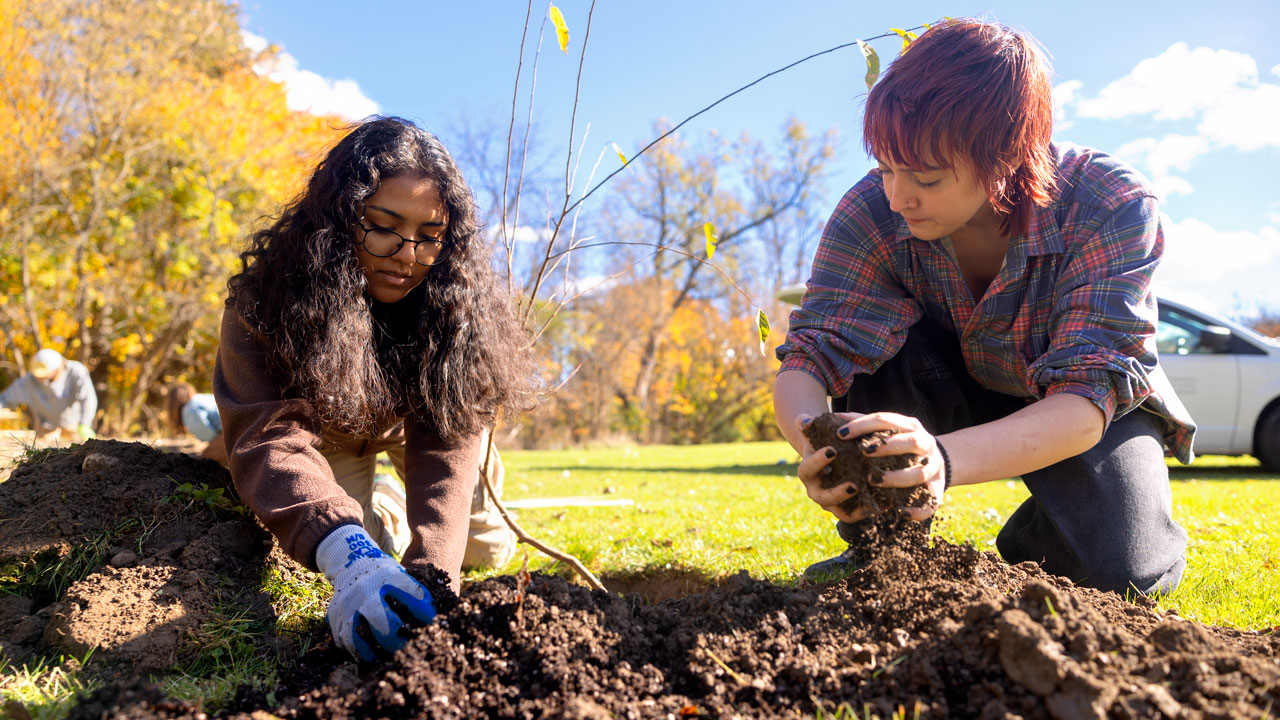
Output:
x,y
368,318
986,294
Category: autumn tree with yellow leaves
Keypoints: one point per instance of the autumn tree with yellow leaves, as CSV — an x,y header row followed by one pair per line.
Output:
x,y
137,147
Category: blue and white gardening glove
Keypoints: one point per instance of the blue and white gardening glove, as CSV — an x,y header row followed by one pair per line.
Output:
x,y
364,579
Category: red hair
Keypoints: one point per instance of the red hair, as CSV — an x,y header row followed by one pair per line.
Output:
x,y
977,91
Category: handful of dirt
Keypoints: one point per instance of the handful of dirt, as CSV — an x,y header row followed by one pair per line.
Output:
x,y
852,466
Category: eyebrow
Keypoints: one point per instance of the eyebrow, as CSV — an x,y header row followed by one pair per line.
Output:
x,y
398,216
925,169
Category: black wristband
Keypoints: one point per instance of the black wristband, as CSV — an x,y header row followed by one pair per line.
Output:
x,y
946,466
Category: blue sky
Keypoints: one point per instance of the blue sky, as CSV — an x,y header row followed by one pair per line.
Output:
x,y
1188,92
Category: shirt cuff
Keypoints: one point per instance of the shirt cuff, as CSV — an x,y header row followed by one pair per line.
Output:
x,y
803,363
1104,398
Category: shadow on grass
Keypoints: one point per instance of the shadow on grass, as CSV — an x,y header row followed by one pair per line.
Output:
x,y
1220,467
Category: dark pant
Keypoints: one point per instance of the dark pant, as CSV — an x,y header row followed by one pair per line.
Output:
x,y
1102,518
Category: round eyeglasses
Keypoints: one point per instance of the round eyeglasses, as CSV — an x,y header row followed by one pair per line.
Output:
x,y
385,242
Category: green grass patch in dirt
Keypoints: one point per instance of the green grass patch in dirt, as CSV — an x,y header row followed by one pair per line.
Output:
x,y
299,599
47,575
43,688
227,660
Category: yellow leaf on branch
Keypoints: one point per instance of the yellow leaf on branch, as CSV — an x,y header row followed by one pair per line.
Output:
x,y
762,324
906,35
562,30
873,63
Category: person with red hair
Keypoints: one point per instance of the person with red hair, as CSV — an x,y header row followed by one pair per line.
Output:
x,y
986,294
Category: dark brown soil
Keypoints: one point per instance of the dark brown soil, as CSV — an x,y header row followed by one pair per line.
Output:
x,y
928,630
128,552
851,465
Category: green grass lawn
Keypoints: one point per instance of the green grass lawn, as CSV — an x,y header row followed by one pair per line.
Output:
x,y
708,511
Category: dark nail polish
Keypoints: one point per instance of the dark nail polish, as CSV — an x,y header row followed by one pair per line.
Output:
x,y
843,432
830,453
874,447
851,489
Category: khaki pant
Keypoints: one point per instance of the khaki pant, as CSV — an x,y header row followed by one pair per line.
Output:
x,y
490,543
56,437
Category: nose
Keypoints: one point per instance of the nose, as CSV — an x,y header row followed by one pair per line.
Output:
x,y
899,193
406,252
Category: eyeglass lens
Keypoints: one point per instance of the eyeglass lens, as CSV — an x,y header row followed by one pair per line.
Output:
x,y
385,243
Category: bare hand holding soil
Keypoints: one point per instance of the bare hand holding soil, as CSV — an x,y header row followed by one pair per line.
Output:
x,y
852,466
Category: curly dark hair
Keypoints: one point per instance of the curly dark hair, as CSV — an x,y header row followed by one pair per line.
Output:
x,y
450,352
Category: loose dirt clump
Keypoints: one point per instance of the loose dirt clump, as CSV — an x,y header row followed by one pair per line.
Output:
x,y
851,465
924,629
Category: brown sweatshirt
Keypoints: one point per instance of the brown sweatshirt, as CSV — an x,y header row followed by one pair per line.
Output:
x,y
274,442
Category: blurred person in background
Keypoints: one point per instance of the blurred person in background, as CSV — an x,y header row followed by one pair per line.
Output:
x,y
59,396
196,413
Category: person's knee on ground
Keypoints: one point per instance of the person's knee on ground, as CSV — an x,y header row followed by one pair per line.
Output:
x,y
1128,568
1103,518
390,526
490,541
385,516
216,450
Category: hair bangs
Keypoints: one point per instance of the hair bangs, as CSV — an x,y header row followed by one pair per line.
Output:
x,y
896,132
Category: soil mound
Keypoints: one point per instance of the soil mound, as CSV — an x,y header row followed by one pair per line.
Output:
x,y
126,552
925,629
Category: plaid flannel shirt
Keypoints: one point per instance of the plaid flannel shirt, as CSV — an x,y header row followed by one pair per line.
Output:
x,y
1071,311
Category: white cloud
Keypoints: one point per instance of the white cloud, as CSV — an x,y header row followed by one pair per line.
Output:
x,y
1173,152
1161,157
1246,119
1171,185
255,43
1176,84
309,91
1217,89
1227,269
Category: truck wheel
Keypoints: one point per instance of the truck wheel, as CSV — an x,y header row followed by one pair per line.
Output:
x,y
1266,440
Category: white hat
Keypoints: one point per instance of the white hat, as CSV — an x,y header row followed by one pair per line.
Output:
x,y
46,364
